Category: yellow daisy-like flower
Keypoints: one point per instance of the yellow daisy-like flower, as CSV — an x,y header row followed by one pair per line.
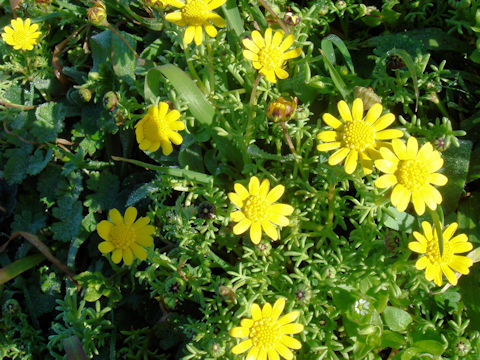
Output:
x,y
267,333
257,209
436,264
195,15
159,128
22,34
269,54
125,236
357,138
412,172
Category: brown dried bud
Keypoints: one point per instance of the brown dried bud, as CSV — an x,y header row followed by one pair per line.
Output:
x,y
291,19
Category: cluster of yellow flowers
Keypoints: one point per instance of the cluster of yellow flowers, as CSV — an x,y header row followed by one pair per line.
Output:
x,y
411,172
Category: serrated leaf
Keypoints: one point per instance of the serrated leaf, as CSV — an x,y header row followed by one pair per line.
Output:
x,y
28,220
397,319
49,121
16,168
38,161
105,187
69,212
123,58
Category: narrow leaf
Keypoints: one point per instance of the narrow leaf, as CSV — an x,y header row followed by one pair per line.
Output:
x,y
336,78
407,59
19,266
233,17
73,348
327,47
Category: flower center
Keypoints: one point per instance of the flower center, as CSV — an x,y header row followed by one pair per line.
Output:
x,y
255,208
265,333
433,251
20,36
155,129
413,174
271,58
358,135
122,236
195,12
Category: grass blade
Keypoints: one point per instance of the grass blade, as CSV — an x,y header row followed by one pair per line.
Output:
x,y
14,269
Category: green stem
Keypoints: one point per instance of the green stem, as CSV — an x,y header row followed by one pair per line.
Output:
x,y
251,113
192,70
438,226
331,203
210,68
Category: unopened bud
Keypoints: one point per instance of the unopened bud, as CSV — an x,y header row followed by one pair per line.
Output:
x,y
86,94
97,14
291,19
110,101
282,110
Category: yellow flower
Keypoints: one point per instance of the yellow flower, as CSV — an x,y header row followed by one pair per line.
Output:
x,y
432,262
158,128
21,35
411,171
267,333
195,15
269,54
257,209
125,236
357,138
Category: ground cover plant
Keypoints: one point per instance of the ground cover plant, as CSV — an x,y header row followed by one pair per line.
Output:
x,y
221,179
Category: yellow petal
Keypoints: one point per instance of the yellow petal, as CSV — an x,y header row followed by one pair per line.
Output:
x,y
400,197
418,202
329,146
264,188
174,17
242,226
253,353
145,144
287,319
256,232
287,42
104,228
331,121
366,163
400,149
256,312
384,121
145,240
258,39
282,209
198,35
239,332
253,185
237,216
105,247
327,136
412,148
116,217
373,113
216,19
167,147
385,181
293,328
283,351
139,252
262,354
241,191
434,165
247,323
278,308
290,341
344,111
250,45
458,239
268,37
387,154
281,74
351,162
130,215
189,34
155,145
386,166
242,347
449,231
172,117
277,38
452,279
292,54
275,194
461,264
117,255
279,219
272,354
127,256
266,310
422,263
389,134
269,75
210,30
338,156
270,230
437,179
417,247
235,199
462,247
357,109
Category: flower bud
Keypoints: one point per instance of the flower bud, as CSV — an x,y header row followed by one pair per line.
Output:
x,y
206,210
282,110
86,94
291,19
110,101
97,14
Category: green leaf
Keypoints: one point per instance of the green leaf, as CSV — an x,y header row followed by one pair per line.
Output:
x,y
69,212
200,108
73,348
336,78
29,220
191,154
456,169
392,339
49,121
38,161
105,187
16,168
429,346
327,47
396,318
19,266
100,44
123,59
233,17
141,193
400,221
